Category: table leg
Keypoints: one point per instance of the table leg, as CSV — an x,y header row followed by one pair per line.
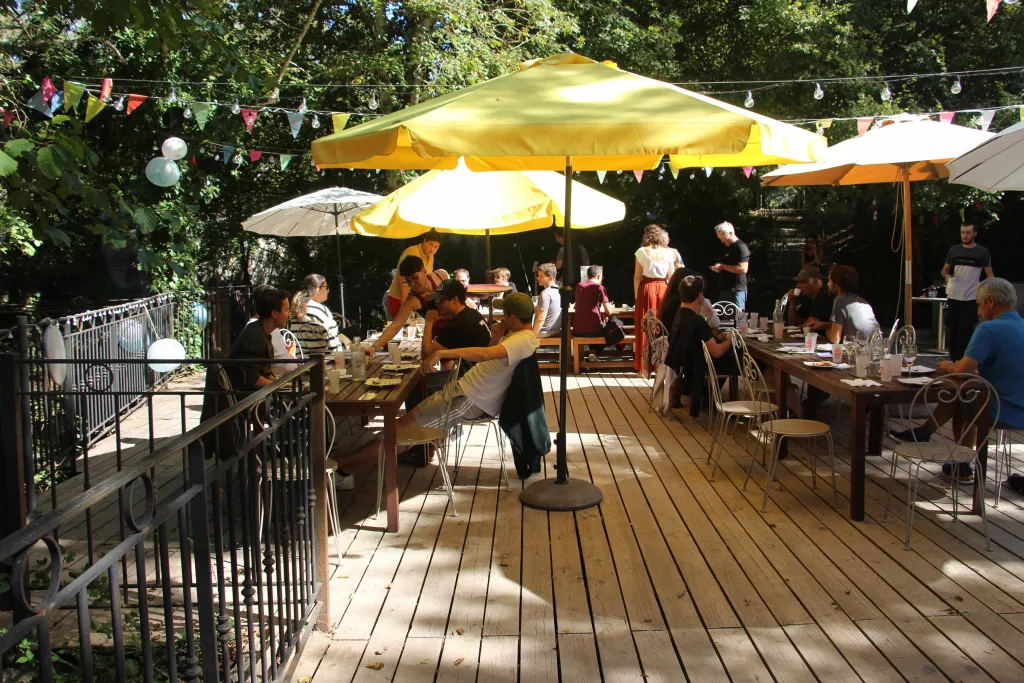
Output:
x,y
876,430
858,412
391,468
781,385
942,326
979,479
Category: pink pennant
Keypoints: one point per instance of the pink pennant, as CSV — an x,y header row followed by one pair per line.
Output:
x,y
192,160
639,175
249,116
993,7
863,123
946,116
255,155
317,166
108,85
6,117
48,89
747,170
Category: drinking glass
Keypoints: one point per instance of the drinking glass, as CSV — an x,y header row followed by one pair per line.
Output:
x,y
910,355
850,342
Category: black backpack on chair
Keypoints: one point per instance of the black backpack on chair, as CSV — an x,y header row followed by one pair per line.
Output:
x,y
523,418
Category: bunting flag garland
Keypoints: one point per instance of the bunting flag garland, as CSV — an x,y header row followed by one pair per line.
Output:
x,y
93,106
193,161
37,103
249,116
600,177
911,4
986,119
863,124
747,170
56,101
993,7
963,217
674,171
708,170
133,102
639,175
254,155
228,153
285,160
946,116
72,94
1022,113
48,89
108,85
295,122
340,121
6,117
202,113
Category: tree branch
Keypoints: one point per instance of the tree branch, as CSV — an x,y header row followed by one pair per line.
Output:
x,y
275,95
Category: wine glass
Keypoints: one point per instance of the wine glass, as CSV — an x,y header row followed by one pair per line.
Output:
x,y
910,355
850,342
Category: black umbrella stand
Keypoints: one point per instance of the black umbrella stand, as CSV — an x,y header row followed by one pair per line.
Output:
x,y
562,493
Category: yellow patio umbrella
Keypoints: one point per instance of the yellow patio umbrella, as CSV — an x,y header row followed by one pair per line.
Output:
x,y
567,111
903,150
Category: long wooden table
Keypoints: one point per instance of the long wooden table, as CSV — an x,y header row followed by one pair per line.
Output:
x,y
867,409
386,403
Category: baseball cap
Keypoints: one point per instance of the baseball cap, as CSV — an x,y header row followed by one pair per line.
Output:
x,y
809,273
520,305
448,289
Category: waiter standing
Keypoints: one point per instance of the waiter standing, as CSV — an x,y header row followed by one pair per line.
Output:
x,y
733,266
964,263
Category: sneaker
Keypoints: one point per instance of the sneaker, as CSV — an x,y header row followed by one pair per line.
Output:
x,y
592,358
920,434
343,481
965,473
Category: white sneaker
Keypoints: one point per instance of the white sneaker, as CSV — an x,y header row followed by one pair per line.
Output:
x,y
344,481
592,358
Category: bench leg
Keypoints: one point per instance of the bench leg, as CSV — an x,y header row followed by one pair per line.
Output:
x,y
575,358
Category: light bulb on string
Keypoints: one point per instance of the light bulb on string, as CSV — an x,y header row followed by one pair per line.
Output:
x,y
238,158
818,92
188,112
749,102
173,97
303,107
119,105
886,93
316,121
235,108
692,176
1011,2
957,87
373,101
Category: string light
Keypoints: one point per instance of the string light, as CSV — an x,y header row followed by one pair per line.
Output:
x,y
119,105
235,108
749,102
316,121
303,107
373,101
886,94
818,92
188,112
957,87
173,97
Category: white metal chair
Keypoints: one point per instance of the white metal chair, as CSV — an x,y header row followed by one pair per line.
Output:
x,y
492,424
438,437
726,311
1003,455
970,393
773,431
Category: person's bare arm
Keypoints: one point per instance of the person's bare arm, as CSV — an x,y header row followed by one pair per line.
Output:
x,y
262,381
638,273
965,364
717,349
835,333
607,308
428,332
988,272
792,316
392,330
474,354
736,270
538,320
947,271
431,346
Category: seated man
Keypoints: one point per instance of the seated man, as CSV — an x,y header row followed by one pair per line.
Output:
x,y
548,322
812,306
480,391
689,331
462,275
466,327
503,277
414,275
592,307
254,341
994,354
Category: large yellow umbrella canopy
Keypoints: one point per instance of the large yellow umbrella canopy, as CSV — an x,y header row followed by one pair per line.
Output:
x,y
568,106
496,203
900,151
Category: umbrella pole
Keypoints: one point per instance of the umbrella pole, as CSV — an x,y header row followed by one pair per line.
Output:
x,y
908,245
341,280
563,493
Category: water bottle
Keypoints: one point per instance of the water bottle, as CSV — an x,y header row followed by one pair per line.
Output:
x,y
778,325
358,359
876,347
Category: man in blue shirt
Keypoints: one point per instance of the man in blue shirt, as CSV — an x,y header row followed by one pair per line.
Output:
x,y
994,354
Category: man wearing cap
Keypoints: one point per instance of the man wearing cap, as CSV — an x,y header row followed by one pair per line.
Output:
x,y
430,242
810,304
420,283
481,390
465,328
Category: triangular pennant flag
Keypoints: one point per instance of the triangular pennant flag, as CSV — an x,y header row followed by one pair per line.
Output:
x,y
708,170
747,170
946,116
249,117
133,102
93,106
72,94
674,171
986,119
193,161
285,160
317,166
56,102
295,122
228,153
639,175
1022,113
600,177
48,89
863,124
6,117
963,216
911,4
340,121
202,113
108,85
993,7
823,123
36,102
254,155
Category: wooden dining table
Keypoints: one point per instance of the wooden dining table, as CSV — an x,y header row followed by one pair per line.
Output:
x,y
867,408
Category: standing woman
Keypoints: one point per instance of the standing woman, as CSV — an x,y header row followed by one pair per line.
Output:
x,y
655,263
312,322
812,254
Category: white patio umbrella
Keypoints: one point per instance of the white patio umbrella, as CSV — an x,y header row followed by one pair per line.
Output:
x,y
901,151
994,165
318,214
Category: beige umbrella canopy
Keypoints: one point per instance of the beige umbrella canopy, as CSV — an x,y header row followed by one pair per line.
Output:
x,y
900,151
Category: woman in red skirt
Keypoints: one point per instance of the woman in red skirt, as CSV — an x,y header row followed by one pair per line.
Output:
x,y
655,263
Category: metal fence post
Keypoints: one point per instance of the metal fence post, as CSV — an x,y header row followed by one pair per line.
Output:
x,y
318,463
26,415
13,508
200,515
70,408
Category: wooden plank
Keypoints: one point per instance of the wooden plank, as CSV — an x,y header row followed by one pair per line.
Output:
x,y
740,656
537,659
499,656
571,609
418,662
501,617
999,665
661,665
340,661
311,655
819,653
578,658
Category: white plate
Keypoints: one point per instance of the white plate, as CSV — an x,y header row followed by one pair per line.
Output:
x,y
921,370
820,364
389,382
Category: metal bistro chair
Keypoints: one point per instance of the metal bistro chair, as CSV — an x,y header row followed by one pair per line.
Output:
x,y
725,412
1003,458
656,335
438,437
970,393
726,312
491,423
773,431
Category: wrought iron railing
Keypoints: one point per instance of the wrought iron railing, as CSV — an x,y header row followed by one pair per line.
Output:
x,y
200,559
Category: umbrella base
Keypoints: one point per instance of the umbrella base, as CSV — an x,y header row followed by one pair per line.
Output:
x,y
548,494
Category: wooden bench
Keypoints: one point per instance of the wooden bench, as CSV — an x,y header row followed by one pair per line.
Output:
x,y
551,341
577,354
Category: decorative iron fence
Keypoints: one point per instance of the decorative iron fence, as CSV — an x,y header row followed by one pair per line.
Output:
x,y
201,558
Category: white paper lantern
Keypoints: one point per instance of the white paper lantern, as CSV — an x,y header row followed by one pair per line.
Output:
x,y
162,172
165,355
174,148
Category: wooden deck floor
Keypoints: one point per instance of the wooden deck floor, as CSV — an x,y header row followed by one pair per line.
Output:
x,y
673,577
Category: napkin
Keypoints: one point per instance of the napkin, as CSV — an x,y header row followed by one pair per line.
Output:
x,y
368,396
861,382
913,380
763,338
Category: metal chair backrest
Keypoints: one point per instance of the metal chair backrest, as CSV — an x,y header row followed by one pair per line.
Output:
x,y
449,394
739,345
653,327
716,388
974,394
757,388
287,335
903,337
659,350
726,311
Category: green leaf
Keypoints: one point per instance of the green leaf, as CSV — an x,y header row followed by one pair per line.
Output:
x,y
146,219
7,165
60,118
48,163
15,148
59,236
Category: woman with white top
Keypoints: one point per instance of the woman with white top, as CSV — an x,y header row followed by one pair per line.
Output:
x,y
312,323
655,263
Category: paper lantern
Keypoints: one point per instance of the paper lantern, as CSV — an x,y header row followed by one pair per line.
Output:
x,y
200,314
165,355
174,148
131,335
53,349
162,172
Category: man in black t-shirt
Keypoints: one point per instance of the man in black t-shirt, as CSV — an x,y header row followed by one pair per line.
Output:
x,y
733,265
812,306
965,264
